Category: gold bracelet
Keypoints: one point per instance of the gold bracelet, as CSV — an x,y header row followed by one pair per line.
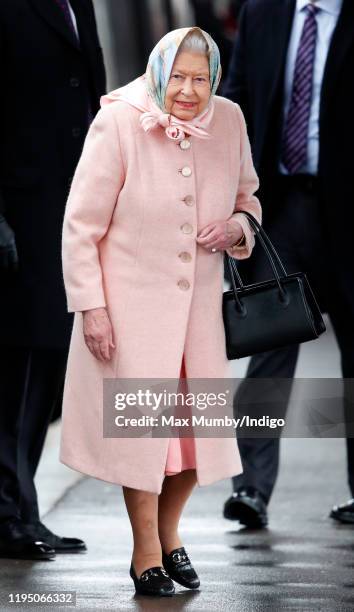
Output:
x,y
241,242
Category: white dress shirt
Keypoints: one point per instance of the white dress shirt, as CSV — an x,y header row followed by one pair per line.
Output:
x,y
326,19
73,19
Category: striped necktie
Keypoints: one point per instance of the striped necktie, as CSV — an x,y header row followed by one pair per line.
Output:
x,y
64,5
295,137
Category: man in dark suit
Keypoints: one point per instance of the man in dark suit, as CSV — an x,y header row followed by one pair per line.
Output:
x,y
52,76
291,73
206,17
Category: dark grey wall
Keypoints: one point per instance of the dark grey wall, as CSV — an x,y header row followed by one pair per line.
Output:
x,y
129,30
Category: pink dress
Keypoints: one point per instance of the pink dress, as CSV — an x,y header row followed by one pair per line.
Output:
x,y
181,451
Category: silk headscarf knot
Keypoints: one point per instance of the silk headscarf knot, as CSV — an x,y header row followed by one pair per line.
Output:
x,y
147,93
175,129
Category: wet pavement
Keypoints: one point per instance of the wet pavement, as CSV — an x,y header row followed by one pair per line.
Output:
x,y
303,561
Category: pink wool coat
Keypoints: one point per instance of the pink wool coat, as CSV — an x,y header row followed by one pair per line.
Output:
x,y
129,244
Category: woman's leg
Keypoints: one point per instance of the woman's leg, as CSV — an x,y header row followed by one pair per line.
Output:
x,y
155,518
174,494
142,508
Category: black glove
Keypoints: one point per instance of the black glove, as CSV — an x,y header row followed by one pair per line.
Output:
x,y
8,250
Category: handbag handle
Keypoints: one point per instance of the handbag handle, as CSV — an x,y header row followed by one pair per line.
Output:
x,y
264,240
259,230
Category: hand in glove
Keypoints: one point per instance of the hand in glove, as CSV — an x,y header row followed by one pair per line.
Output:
x,y
8,250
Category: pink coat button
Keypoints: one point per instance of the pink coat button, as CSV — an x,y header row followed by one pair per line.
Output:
x,y
183,284
186,171
185,145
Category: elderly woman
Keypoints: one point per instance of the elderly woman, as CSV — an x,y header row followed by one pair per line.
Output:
x,y
154,204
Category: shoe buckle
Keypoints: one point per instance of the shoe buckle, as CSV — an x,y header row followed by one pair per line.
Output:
x,y
145,575
177,557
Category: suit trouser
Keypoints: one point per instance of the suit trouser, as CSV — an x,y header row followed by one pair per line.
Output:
x,y
298,236
31,383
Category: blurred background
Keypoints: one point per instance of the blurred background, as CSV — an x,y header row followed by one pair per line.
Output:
x,y
129,29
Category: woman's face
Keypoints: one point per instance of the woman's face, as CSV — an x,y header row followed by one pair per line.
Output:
x,y
188,90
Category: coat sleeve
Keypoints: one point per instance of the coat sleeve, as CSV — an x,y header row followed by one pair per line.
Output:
x,y
98,179
245,199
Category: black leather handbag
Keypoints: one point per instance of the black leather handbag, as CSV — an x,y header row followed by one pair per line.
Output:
x,y
269,314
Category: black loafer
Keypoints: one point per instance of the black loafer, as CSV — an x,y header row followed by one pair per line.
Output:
x,y
344,513
60,545
17,543
248,507
179,567
153,581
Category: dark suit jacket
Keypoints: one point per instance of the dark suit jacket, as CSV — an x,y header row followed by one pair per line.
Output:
x,y
256,81
48,83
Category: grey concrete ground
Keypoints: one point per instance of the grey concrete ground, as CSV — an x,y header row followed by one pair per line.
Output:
x,y
303,561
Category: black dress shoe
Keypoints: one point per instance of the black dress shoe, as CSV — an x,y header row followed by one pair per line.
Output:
x,y
153,581
344,513
60,545
247,506
17,543
179,567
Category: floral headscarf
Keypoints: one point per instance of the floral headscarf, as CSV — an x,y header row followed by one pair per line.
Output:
x,y
162,57
147,92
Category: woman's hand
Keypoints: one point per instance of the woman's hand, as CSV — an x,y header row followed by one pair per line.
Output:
x,y
219,235
98,333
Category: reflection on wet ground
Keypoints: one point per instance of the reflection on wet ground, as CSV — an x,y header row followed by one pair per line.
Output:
x,y
303,561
